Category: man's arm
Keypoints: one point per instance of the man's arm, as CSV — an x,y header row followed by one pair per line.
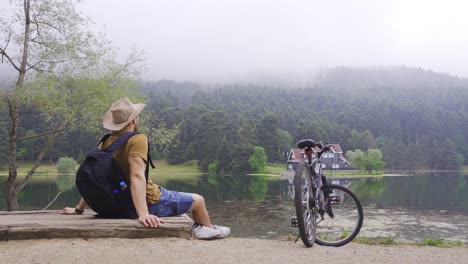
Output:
x,y
75,210
138,189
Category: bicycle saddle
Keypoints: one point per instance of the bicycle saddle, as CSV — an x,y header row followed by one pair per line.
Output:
x,y
306,143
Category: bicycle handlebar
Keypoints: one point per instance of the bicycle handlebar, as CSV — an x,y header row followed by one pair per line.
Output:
x,y
309,143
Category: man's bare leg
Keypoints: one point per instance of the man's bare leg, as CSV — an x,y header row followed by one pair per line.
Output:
x,y
199,212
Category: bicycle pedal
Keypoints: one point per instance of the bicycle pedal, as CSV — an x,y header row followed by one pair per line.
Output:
x,y
294,221
334,200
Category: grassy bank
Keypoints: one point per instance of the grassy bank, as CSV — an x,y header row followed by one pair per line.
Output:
x,y
351,174
275,168
391,241
161,167
24,167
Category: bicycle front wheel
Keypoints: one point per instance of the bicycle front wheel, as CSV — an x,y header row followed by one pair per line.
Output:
x,y
305,207
342,219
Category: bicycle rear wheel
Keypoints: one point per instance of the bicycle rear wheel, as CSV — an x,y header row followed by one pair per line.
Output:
x,y
347,220
305,208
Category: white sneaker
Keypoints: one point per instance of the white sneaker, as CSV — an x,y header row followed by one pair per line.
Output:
x,y
204,232
225,231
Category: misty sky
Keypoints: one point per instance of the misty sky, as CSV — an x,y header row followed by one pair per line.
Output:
x,y
222,41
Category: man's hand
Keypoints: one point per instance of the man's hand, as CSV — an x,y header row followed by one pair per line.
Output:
x,y
149,220
68,211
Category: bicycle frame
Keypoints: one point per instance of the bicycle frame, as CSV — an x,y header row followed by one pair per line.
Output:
x,y
318,179
316,199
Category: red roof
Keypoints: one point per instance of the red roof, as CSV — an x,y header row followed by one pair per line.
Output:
x,y
298,154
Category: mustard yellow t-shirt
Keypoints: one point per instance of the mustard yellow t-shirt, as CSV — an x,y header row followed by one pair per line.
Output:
x,y
136,146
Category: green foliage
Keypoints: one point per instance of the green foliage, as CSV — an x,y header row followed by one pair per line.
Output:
x,y
161,137
213,168
460,161
66,165
258,160
447,157
285,142
224,156
258,188
388,240
424,129
209,133
371,161
66,75
267,134
364,140
364,240
344,235
440,242
240,162
247,136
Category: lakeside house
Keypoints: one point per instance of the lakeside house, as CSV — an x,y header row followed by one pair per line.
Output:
x,y
333,159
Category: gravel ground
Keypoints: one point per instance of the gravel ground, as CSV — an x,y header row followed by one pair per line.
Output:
x,y
231,250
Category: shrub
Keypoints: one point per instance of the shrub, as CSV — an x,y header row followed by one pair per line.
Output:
x,y
66,165
213,168
258,160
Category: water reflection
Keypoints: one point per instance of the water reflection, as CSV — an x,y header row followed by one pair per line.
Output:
x,y
409,208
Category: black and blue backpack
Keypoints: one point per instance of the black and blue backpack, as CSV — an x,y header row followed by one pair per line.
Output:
x,y
101,183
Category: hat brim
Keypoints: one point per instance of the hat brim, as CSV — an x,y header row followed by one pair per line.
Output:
x,y
108,122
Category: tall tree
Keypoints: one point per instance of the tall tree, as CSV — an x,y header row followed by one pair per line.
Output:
x,y
224,156
285,143
63,70
268,137
247,136
210,131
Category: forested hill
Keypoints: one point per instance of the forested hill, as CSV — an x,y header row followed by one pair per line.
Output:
x,y
417,118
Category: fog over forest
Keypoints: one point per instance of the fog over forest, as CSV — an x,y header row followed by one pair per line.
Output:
x,y
388,75
280,42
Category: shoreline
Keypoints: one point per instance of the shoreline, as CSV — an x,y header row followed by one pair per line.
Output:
x,y
230,250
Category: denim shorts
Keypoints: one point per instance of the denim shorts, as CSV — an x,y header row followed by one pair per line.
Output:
x,y
171,203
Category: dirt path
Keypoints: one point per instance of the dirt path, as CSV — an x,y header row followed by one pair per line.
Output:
x,y
231,250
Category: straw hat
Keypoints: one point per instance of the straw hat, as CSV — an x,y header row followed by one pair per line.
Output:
x,y
121,114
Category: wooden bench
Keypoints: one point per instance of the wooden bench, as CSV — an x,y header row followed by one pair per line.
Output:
x,y
52,224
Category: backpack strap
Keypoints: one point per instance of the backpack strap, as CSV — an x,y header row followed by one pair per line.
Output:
x,y
149,162
120,141
104,138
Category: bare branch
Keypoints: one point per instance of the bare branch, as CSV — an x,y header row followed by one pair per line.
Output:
x,y
33,66
41,135
50,141
8,39
47,24
3,53
53,200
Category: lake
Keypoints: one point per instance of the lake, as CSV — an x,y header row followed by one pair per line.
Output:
x,y
407,207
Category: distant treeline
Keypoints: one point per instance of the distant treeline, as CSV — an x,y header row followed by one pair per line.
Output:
x,y
418,119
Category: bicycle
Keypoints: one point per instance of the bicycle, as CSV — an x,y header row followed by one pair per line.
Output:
x,y
332,216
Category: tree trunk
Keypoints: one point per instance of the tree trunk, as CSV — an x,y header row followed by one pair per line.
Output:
x,y
10,192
